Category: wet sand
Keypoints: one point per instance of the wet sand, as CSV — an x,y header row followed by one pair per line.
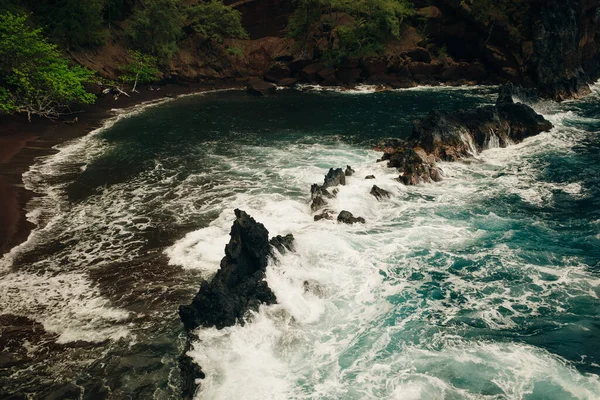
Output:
x,y
21,142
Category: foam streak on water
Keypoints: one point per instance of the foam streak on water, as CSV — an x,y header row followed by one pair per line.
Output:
x,y
414,304
483,286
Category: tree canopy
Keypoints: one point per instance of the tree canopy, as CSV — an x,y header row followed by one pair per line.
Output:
x,y
142,69
35,78
155,27
351,27
214,20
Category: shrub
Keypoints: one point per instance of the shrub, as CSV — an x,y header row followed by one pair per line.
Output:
x,y
72,23
373,23
216,21
142,69
155,27
34,77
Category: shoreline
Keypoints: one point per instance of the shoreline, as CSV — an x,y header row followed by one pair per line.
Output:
x,y
22,142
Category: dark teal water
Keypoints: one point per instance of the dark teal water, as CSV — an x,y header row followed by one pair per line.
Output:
x,y
484,286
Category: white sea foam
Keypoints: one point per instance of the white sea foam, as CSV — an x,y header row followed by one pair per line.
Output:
x,y
65,304
56,290
367,311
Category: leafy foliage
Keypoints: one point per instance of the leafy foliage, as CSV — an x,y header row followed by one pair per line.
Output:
x,y
118,10
235,51
352,27
155,27
143,69
34,77
214,20
488,11
72,23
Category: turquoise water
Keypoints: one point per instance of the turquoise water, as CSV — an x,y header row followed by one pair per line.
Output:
x,y
484,286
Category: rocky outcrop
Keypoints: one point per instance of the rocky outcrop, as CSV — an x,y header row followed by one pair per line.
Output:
x,y
326,214
260,88
349,171
335,177
238,286
565,38
380,193
454,136
318,193
190,371
346,217
550,45
283,244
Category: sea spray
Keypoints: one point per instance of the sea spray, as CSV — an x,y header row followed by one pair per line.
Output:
x,y
482,285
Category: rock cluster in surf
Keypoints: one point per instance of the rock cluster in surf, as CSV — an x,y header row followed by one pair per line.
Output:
x,y
380,193
454,136
238,286
319,194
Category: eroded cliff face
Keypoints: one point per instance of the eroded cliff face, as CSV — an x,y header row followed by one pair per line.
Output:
x,y
551,45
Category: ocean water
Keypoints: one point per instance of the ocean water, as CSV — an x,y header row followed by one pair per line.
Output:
x,y
483,286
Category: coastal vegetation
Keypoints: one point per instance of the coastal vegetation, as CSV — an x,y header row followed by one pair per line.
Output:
x,y
35,78
397,43
349,28
40,76
142,69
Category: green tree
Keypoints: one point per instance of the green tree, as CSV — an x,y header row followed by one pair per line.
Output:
x,y
142,69
305,18
371,24
155,27
72,23
34,78
216,21
117,10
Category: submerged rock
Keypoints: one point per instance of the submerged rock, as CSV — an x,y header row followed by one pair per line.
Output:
x,y
346,217
454,136
380,193
370,177
326,214
283,244
260,88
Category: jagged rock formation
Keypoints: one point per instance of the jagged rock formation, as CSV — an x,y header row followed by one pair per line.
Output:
x,y
349,171
334,177
326,214
318,193
283,244
450,137
346,217
551,45
380,193
238,286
